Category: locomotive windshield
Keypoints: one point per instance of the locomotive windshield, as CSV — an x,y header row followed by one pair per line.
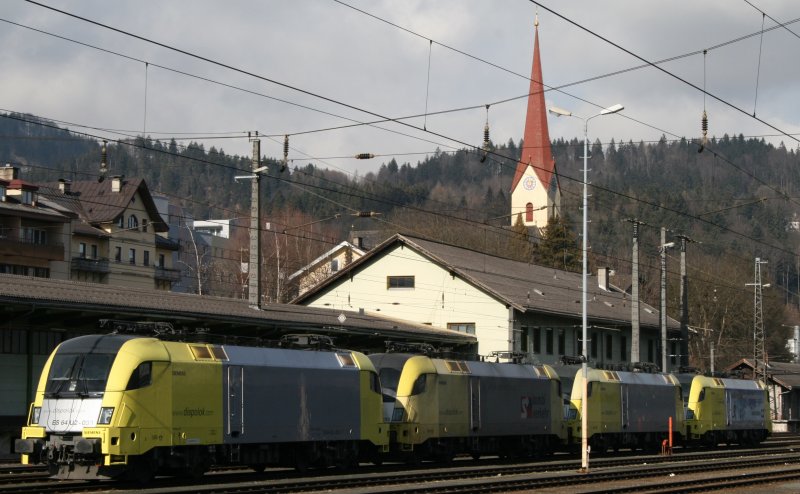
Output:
x,y
83,375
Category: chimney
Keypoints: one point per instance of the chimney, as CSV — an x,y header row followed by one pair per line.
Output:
x,y
116,183
602,278
9,172
64,185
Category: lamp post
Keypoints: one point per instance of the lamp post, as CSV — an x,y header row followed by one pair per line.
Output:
x,y
559,112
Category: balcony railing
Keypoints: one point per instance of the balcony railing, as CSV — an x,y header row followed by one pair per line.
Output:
x,y
91,265
13,247
166,274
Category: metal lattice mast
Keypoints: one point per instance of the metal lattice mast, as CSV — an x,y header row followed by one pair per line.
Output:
x,y
758,316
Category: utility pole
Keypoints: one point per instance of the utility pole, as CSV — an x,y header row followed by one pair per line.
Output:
x,y
635,329
758,319
254,280
663,312
684,343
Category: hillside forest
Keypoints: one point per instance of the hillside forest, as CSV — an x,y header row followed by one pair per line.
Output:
x,y
734,202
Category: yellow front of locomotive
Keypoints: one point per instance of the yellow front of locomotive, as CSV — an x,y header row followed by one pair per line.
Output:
x,y
101,400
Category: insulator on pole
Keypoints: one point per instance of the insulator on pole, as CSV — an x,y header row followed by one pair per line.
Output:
x,y
285,152
365,214
364,156
103,162
704,129
485,137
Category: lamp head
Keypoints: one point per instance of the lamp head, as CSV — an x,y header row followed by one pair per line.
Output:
x,y
559,112
612,109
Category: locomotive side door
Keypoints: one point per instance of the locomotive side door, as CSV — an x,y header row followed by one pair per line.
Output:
x,y
474,403
623,397
235,401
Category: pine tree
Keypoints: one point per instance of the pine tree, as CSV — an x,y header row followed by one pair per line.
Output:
x,y
558,247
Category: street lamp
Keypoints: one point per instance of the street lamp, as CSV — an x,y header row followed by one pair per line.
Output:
x,y
559,112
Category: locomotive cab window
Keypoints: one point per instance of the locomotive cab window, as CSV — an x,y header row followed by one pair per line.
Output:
x,y
419,385
142,376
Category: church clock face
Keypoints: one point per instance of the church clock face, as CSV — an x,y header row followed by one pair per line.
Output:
x,y
529,183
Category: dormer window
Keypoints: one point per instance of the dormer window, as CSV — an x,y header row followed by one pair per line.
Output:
x,y
28,197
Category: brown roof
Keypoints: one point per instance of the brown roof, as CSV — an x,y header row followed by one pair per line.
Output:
x,y
101,205
93,298
526,287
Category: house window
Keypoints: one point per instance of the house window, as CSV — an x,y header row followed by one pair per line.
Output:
x,y
118,254
609,347
161,260
334,265
146,258
562,344
462,327
120,221
94,251
529,212
33,235
133,222
144,225
650,351
132,256
594,345
399,282
2,193
548,341
82,250
537,340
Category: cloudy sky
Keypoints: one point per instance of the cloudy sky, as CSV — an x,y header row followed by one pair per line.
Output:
x,y
303,66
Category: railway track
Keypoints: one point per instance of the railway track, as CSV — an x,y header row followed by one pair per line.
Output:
x,y
466,476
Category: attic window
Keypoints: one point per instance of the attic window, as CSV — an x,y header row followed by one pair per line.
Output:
x,y
393,282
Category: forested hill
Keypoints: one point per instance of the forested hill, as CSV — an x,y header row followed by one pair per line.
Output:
x,y
736,200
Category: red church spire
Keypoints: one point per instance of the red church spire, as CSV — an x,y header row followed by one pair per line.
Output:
x,y
536,150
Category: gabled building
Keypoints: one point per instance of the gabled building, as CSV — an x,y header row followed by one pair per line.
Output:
x,y
117,236
508,305
33,239
324,266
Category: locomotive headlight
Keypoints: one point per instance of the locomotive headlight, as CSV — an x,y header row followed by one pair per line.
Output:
x,y
35,413
105,415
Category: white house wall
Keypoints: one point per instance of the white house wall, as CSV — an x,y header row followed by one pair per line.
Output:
x,y
437,297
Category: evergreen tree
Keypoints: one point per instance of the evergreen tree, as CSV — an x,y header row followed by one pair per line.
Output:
x,y
558,247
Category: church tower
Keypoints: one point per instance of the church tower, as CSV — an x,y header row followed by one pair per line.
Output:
x,y
535,193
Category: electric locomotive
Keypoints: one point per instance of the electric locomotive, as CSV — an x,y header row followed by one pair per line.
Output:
x,y
441,407
727,410
628,409
114,405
